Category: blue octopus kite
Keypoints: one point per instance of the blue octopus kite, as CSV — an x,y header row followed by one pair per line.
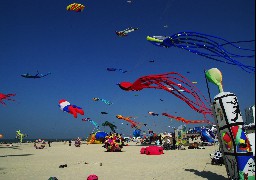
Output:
x,y
205,45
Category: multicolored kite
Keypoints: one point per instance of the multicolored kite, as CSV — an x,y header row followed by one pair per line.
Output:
x,y
103,100
234,143
133,123
125,32
75,7
72,109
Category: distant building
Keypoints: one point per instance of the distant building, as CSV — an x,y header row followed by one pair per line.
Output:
x,y
250,115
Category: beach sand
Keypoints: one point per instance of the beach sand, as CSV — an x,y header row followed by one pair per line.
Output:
x,y
24,162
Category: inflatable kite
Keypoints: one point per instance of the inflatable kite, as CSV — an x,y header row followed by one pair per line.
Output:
x,y
234,143
110,125
152,113
1,136
97,138
6,97
208,46
75,7
114,143
191,96
36,76
115,69
91,121
20,136
152,150
92,177
133,123
72,109
125,32
103,100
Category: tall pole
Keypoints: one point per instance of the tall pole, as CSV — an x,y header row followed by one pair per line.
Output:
x,y
207,85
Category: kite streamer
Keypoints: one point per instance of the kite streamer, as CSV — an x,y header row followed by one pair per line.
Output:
x,y
103,100
91,121
187,121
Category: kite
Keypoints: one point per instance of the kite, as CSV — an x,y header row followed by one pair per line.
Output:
x,y
172,80
152,113
116,69
75,7
103,112
36,76
1,136
205,45
72,109
91,121
6,97
103,100
151,61
133,123
110,125
20,136
125,32
187,121
234,143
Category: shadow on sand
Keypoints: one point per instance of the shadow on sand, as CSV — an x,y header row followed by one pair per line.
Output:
x,y
11,147
17,155
207,174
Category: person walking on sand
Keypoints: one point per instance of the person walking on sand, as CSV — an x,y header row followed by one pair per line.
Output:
x,y
49,143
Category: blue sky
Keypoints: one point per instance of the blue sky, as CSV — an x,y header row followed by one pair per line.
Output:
x,y
78,47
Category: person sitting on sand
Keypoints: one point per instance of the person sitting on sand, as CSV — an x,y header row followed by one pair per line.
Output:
x,y
77,142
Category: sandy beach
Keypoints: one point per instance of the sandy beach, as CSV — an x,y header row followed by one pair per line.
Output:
x,y
24,162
